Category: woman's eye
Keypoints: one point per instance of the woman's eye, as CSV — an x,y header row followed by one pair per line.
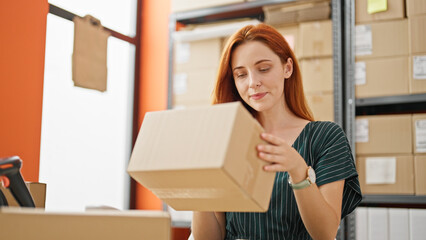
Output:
x,y
264,69
240,75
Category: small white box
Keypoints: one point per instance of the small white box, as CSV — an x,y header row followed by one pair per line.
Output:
x,y
399,225
378,223
417,224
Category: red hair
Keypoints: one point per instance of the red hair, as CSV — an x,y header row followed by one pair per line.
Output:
x,y
225,89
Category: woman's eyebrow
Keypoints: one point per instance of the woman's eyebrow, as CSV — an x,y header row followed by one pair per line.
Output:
x,y
260,61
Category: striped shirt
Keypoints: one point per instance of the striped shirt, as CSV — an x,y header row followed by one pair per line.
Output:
x,y
324,146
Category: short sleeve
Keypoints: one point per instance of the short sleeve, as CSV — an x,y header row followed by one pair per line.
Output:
x,y
333,161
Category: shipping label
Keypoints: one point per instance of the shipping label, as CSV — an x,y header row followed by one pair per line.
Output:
x,y
182,53
380,170
420,136
361,130
419,67
360,73
363,40
180,83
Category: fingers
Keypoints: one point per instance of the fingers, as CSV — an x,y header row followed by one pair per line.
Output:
x,y
274,168
271,149
269,157
271,139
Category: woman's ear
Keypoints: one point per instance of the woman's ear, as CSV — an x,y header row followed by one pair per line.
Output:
x,y
288,68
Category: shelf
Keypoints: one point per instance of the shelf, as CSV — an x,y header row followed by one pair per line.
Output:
x,y
400,99
245,9
405,201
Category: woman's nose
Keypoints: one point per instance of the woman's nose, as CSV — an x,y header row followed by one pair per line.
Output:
x,y
254,81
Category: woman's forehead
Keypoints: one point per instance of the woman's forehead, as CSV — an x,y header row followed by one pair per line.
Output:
x,y
251,53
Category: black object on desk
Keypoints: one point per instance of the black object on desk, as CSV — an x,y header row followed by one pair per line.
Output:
x,y
10,174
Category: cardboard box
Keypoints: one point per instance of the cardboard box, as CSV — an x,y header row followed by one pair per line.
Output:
x,y
417,26
378,223
381,39
321,105
29,223
395,10
291,34
386,174
193,87
37,191
419,133
417,73
416,7
420,174
317,75
187,5
384,134
361,223
203,159
298,11
197,55
376,78
417,224
399,224
316,39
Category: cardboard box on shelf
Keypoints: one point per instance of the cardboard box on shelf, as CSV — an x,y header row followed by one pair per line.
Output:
x,y
380,77
317,75
399,224
378,223
417,73
194,86
419,133
29,223
321,105
187,5
197,55
203,159
37,191
291,34
298,11
417,33
315,39
386,174
420,174
395,10
417,226
416,7
381,39
384,134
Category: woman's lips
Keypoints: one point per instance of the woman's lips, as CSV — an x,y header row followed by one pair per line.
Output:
x,y
258,96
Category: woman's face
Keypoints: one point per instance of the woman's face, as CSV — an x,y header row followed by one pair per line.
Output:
x,y
259,75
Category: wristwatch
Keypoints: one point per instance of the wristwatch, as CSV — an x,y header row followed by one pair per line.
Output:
x,y
310,179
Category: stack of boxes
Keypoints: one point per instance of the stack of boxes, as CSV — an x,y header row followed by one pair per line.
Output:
x,y
316,64
389,50
308,29
390,223
381,51
416,13
384,151
196,62
194,73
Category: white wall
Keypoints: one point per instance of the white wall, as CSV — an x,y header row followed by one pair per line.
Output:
x,y
86,135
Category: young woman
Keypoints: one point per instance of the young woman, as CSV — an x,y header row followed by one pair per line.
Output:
x,y
316,183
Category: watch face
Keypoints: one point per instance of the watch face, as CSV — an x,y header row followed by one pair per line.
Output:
x,y
311,174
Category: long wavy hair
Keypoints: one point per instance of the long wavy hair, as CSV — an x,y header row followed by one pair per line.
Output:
x,y
225,89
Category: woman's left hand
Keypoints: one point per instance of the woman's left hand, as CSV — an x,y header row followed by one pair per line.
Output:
x,y
281,156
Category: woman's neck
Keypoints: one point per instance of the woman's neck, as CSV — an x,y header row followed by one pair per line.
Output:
x,y
278,118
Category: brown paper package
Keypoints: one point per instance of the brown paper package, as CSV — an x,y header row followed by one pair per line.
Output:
x,y
89,59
